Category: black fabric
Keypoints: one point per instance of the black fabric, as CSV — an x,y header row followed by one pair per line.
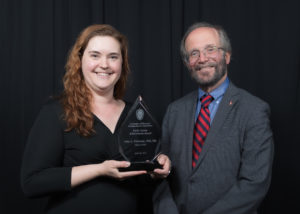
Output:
x,y
51,152
35,37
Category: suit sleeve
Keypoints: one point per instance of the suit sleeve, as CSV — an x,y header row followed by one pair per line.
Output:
x,y
163,202
255,171
42,172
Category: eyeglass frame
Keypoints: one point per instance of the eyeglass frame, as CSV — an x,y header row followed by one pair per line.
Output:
x,y
204,51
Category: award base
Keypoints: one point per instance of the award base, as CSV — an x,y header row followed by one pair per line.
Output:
x,y
136,166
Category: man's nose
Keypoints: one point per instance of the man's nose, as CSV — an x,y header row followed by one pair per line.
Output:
x,y
202,57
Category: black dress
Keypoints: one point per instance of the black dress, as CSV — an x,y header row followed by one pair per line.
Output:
x,y
51,153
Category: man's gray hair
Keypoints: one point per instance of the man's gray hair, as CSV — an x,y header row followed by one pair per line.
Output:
x,y
224,39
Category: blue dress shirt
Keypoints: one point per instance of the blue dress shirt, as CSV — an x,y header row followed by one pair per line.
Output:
x,y
217,94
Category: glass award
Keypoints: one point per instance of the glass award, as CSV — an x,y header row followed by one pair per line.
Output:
x,y
138,138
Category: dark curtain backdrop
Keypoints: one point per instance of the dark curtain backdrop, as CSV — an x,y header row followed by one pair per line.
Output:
x,y
36,36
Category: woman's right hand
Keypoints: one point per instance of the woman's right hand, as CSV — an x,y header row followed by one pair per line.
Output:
x,y
110,168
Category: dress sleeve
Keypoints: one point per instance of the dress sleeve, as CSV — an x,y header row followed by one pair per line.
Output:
x,y
42,171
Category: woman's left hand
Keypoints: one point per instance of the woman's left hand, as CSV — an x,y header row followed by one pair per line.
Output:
x,y
166,167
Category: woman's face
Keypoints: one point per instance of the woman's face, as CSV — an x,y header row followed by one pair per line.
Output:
x,y
102,64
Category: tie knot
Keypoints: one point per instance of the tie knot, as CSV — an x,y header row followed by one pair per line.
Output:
x,y
206,99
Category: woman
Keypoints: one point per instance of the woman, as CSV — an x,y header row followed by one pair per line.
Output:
x,y
71,154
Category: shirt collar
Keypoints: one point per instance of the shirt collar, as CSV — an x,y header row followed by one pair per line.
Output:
x,y
216,93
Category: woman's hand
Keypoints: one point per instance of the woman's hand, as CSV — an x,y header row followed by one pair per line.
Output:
x,y
166,167
111,169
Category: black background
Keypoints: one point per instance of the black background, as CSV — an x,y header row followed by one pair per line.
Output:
x,y
36,36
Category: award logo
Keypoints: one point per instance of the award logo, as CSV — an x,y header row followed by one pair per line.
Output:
x,y
139,114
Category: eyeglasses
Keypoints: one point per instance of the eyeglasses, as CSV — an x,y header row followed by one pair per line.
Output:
x,y
210,51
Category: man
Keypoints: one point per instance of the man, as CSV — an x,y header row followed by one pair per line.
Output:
x,y
218,137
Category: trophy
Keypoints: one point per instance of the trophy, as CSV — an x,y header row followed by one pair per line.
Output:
x,y
138,138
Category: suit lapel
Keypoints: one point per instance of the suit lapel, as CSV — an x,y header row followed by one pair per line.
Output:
x,y
229,100
191,111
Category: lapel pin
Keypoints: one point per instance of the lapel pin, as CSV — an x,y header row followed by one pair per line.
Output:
x,y
230,103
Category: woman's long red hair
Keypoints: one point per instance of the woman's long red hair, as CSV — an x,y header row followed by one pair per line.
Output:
x,y
76,97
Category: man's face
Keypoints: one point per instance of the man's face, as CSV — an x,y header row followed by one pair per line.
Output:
x,y
207,62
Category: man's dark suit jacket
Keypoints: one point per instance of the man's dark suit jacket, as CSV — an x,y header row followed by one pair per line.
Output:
x,y
233,172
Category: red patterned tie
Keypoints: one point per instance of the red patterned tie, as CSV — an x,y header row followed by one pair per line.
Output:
x,y
201,127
